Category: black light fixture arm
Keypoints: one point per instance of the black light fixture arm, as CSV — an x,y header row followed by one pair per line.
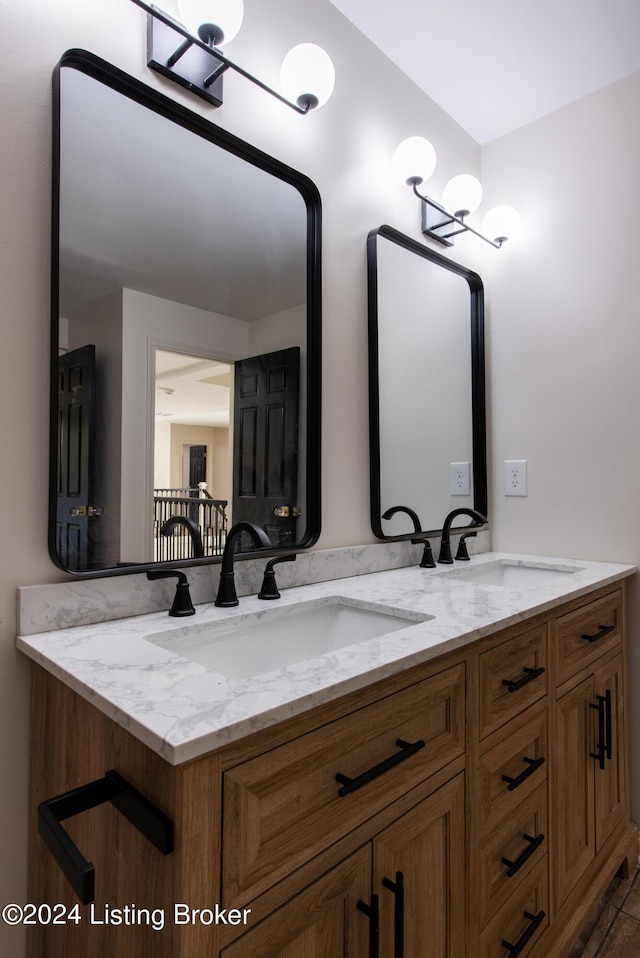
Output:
x,y
450,218
223,62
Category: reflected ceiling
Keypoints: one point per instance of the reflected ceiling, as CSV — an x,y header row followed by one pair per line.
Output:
x,y
114,202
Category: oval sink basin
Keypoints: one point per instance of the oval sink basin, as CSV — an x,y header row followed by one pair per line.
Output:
x,y
252,643
511,574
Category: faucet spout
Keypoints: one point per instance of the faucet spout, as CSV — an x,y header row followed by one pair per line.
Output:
x,y
410,512
445,546
227,596
192,529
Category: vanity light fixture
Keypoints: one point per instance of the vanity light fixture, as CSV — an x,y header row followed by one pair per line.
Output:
x,y
413,162
189,54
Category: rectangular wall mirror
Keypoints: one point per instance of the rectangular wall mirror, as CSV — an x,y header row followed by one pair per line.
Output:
x,y
426,385
185,332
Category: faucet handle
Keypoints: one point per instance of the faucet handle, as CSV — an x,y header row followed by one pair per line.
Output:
x,y
182,604
427,561
462,552
269,588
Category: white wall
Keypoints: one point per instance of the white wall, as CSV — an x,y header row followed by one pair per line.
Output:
x,y
345,148
564,333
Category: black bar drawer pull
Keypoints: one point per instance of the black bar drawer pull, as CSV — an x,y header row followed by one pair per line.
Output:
x,y
353,784
529,676
600,634
148,819
397,887
600,754
514,867
532,765
527,934
372,912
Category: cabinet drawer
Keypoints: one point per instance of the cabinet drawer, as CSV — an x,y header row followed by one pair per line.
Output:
x,y
583,635
284,807
513,676
512,765
522,920
511,851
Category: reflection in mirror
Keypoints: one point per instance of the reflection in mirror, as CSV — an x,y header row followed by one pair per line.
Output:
x,y
426,386
185,312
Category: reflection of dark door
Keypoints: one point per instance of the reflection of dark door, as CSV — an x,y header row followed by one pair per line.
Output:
x,y
76,378
265,443
197,465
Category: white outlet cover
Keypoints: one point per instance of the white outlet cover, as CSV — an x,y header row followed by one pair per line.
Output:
x,y
460,478
515,477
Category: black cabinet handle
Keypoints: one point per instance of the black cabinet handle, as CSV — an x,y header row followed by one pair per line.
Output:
x,y
527,934
529,676
397,887
608,731
600,754
602,631
148,819
514,867
372,912
350,785
604,745
532,765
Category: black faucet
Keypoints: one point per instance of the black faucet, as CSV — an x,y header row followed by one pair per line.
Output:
x,y
192,529
227,596
427,556
182,604
445,547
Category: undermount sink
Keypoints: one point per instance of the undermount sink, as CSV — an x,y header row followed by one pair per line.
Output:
x,y
252,643
511,573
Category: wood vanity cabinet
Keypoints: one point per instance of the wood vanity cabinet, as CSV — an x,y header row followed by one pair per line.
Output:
x,y
454,810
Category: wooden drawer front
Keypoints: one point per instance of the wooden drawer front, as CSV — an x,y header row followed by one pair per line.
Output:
x,y
522,920
513,676
511,851
284,807
601,620
521,757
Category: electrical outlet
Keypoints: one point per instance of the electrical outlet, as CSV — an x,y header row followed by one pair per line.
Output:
x,y
460,478
515,477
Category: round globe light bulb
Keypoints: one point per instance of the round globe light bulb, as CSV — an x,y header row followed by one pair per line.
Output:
x,y
501,223
462,194
216,21
307,76
414,160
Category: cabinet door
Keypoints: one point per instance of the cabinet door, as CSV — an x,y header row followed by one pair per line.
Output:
x,y
573,786
419,875
322,921
610,781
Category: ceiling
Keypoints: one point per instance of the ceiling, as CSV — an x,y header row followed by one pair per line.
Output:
x,y
494,65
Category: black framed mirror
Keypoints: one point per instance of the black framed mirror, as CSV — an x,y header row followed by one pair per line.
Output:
x,y
427,418
186,333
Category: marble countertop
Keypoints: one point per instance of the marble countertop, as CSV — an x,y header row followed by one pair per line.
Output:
x,y
182,709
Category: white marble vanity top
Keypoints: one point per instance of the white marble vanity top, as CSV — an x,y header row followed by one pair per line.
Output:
x,y
182,710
